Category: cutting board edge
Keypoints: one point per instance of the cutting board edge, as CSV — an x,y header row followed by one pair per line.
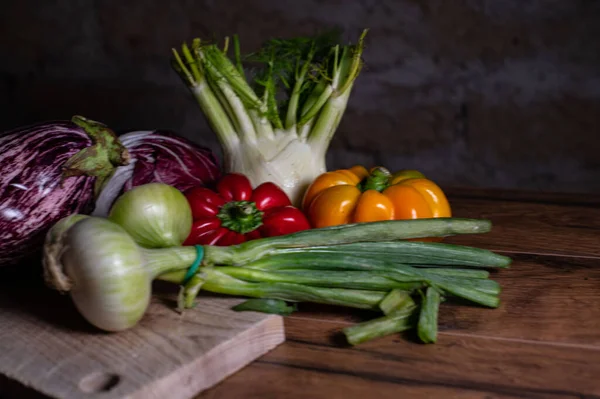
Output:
x,y
271,333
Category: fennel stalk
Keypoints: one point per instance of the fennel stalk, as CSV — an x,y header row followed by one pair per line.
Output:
x,y
276,126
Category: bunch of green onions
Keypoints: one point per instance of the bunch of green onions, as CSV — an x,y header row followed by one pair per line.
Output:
x,y
376,266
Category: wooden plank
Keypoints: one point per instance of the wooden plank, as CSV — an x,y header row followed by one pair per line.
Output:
x,y
313,363
552,228
45,345
545,298
274,380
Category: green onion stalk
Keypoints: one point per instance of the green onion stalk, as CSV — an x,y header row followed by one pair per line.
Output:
x,y
108,272
276,110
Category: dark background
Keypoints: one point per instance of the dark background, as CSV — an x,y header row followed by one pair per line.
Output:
x,y
496,93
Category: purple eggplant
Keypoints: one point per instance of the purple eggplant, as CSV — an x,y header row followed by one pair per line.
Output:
x,y
48,171
159,156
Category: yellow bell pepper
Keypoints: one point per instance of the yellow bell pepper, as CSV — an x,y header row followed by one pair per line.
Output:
x,y
359,195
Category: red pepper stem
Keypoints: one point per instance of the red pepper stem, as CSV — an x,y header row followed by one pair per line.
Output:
x,y
378,179
240,216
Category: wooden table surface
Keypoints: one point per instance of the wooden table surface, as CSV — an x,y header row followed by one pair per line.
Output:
x,y
542,342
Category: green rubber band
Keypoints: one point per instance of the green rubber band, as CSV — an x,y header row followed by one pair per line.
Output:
x,y
194,267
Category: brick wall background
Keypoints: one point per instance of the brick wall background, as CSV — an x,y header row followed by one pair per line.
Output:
x,y
490,93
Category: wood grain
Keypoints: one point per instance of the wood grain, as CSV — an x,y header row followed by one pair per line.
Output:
x,y
544,228
45,345
544,298
313,363
276,380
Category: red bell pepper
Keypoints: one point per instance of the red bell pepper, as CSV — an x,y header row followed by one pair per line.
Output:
x,y
234,212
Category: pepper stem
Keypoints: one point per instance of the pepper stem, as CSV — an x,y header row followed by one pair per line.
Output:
x,y
378,179
240,216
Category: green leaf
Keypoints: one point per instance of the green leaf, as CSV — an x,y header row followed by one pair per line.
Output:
x,y
266,305
280,63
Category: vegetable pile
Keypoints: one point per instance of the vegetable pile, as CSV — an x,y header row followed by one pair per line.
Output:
x,y
272,224
54,169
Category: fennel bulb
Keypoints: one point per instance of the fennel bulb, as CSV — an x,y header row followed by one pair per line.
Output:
x,y
276,126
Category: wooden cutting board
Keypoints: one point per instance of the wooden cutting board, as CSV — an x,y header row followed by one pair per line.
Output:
x,y
48,350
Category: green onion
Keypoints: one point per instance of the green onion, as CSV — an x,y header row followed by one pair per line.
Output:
x,y
112,272
273,306
334,279
396,299
421,253
470,293
428,317
398,321
464,273
217,282
481,291
388,230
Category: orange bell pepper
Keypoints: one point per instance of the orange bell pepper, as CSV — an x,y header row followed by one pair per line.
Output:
x,y
359,195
